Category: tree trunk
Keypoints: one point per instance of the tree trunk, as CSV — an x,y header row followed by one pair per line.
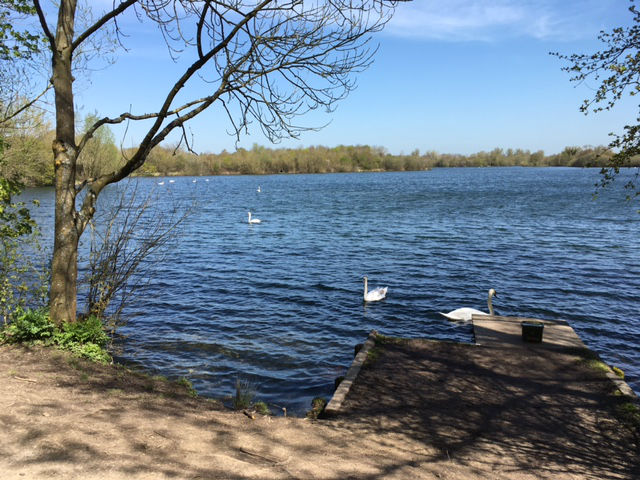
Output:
x,y
64,267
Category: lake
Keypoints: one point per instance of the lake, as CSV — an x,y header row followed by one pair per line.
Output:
x,y
279,304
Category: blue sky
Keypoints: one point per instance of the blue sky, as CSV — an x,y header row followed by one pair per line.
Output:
x,y
454,77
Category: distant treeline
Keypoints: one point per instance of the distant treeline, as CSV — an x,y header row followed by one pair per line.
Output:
x,y
25,155
261,160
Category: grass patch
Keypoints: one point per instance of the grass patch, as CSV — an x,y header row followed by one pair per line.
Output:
x,y
244,395
375,352
186,383
386,340
618,372
596,364
373,355
629,415
244,399
591,360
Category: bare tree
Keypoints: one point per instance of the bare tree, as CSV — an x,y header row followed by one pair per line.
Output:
x,y
264,61
129,229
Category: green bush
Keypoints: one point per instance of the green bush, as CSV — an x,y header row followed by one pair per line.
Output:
x,y
29,326
262,408
90,351
87,331
86,339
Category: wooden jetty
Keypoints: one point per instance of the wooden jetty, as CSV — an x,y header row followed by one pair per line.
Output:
x,y
510,408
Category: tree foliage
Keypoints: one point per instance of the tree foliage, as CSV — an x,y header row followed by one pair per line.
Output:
x,y
21,277
100,154
26,141
359,158
14,42
616,68
20,59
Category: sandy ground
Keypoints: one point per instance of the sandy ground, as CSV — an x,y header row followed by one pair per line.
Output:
x,y
64,418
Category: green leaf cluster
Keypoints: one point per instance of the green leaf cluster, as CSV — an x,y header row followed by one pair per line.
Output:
x,y
83,332
15,43
85,338
29,326
22,281
15,219
616,72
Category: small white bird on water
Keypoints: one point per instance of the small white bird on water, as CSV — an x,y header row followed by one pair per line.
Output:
x,y
375,294
465,314
253,220
160,183
258,190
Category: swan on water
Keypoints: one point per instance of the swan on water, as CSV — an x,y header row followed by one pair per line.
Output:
x,y
375,294
171,181
258,190
253,220
160,183
465,314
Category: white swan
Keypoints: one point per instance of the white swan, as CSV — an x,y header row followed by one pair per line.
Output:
x,y
171,181
258,190
375,294
253,220
465,314
160,183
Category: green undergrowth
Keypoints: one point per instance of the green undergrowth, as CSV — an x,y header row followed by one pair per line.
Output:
x,y
318,404
86,338
244,398
593,361
186,383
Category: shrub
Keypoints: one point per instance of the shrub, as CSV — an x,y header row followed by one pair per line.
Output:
x,y
29,326
262,408
317,407
85,339
87,331
90,351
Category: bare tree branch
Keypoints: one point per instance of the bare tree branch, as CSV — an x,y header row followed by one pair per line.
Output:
x,y
25,106
113,14
264,61
43,24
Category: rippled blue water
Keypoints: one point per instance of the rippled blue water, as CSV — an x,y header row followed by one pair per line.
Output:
x,y
280,303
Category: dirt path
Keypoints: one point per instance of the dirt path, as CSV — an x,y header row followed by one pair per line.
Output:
x,y
64,418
